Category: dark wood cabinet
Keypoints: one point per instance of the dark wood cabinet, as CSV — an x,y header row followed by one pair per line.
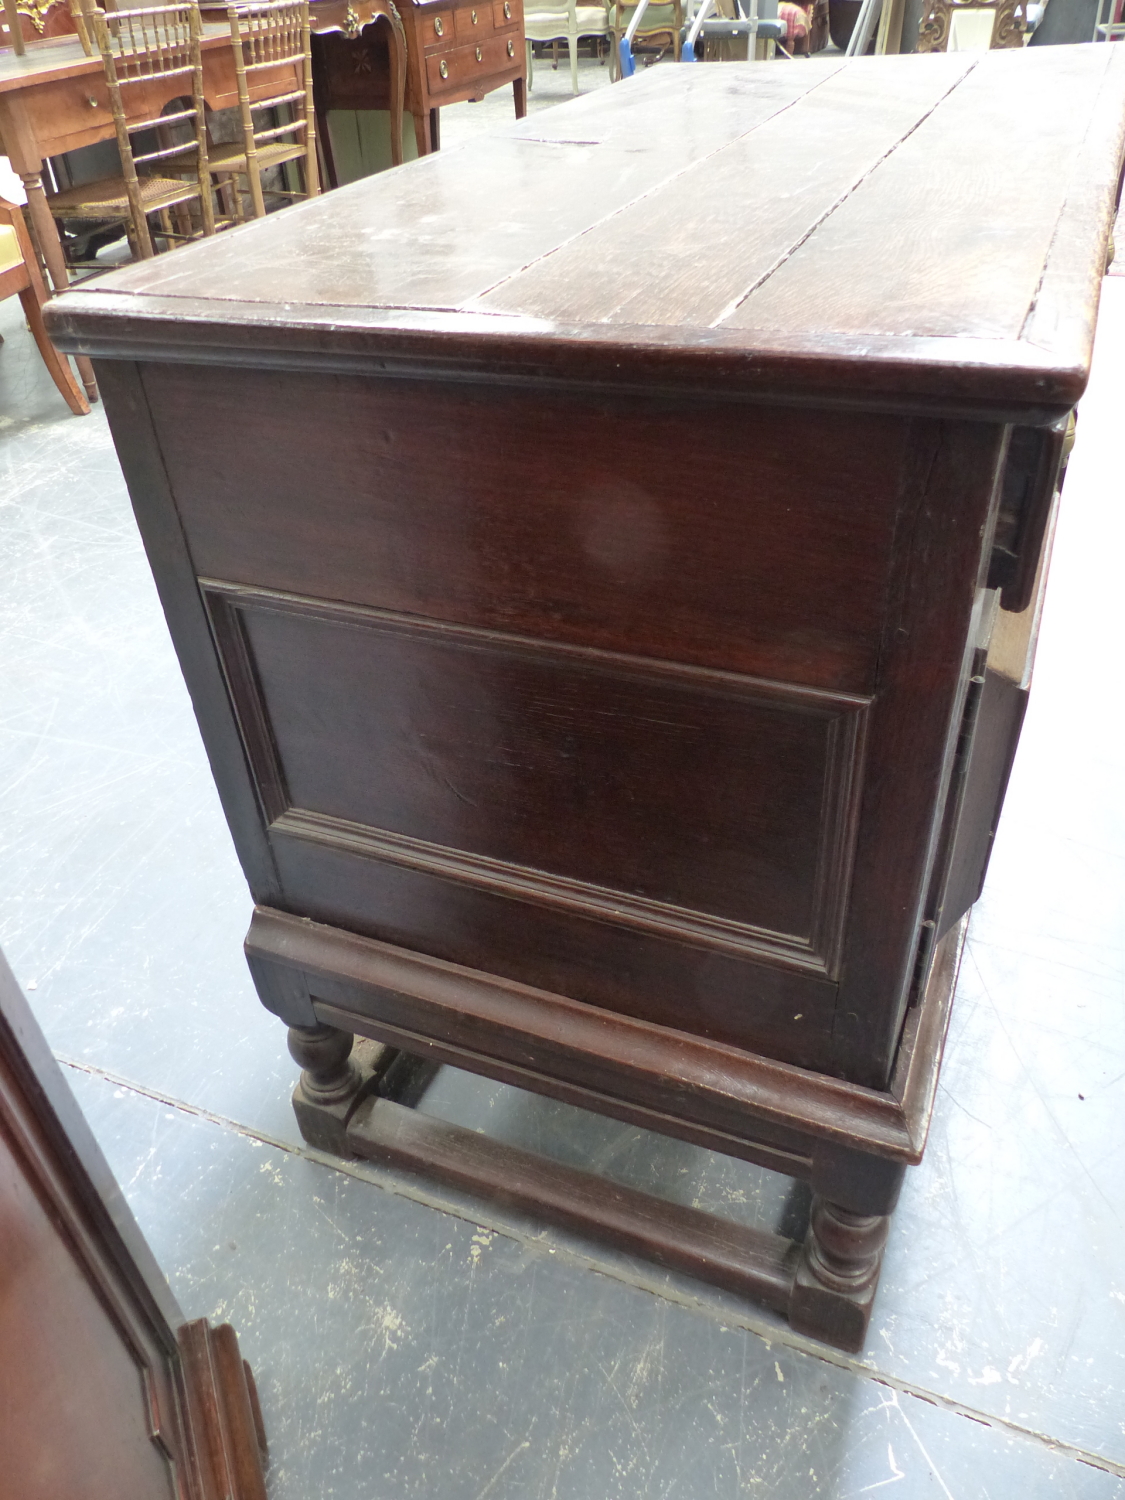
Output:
x,y
604,564
105,1389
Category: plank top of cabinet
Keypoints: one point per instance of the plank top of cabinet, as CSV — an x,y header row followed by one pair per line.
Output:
x,y
926,230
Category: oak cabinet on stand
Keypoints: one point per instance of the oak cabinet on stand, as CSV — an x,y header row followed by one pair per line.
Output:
x,y
605,565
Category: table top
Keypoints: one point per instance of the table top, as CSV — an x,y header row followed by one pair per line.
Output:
x,y
63,57
909,231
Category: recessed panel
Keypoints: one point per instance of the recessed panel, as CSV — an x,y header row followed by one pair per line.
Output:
x,y
658,794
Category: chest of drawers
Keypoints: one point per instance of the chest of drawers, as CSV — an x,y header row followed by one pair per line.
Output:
x,y
460,49
604,564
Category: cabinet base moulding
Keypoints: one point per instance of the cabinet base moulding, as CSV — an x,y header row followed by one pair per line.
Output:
x,y
355,1098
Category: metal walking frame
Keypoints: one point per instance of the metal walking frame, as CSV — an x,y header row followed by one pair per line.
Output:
x,y
749,23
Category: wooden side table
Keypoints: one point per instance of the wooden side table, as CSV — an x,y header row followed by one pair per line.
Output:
x,y
457,50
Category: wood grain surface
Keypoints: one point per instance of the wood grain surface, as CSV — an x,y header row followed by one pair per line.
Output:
x,y
904,227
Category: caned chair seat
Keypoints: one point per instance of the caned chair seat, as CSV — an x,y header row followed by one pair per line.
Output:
x,y
232,157
109,198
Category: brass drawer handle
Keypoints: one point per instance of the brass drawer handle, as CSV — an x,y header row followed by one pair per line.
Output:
x,y
480,55
442,69
439,28
511,49
474,16
507,11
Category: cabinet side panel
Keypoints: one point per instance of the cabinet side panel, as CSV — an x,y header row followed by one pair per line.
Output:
x,y
74,1418
146,474
942,550
746,538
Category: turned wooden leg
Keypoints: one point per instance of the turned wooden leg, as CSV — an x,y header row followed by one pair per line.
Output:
x,y
329,1084
325,1056
334,1079
834,1288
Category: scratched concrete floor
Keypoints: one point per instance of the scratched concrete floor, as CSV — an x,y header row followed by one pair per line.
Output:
x,y
408,1344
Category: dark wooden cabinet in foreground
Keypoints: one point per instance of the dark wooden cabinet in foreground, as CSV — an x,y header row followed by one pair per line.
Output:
x,y
604,561
105,1390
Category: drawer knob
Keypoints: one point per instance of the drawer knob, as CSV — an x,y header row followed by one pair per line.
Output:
x,y
480,55
439,28
91,101
507,10
474,16
442,69
511,49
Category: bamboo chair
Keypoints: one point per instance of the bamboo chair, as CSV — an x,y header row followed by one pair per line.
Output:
x,y
267,37
140,49
19,276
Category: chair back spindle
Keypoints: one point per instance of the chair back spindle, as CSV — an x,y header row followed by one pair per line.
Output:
x,y
139,48
267,37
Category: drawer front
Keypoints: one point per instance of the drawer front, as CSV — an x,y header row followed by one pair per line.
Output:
x,y
437,29
459,67
506,14
472,22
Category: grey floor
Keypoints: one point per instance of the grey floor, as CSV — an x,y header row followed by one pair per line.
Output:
x,y
408,1344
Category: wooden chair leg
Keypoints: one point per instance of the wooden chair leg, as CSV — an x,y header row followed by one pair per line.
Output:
x,y
58,366
182,219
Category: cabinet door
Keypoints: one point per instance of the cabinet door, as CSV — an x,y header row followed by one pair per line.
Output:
x,y
105,1390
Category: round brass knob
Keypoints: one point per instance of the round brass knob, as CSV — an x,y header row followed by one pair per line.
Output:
x,y
474,16
511,49
91,101
480,55
438,27
443,70
507,11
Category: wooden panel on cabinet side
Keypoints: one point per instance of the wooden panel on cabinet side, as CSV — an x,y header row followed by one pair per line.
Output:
x,y
95,1396
68,1377
580,517
703,803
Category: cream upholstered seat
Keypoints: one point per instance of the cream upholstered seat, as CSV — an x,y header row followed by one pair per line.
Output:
x,y
19,276
10,253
